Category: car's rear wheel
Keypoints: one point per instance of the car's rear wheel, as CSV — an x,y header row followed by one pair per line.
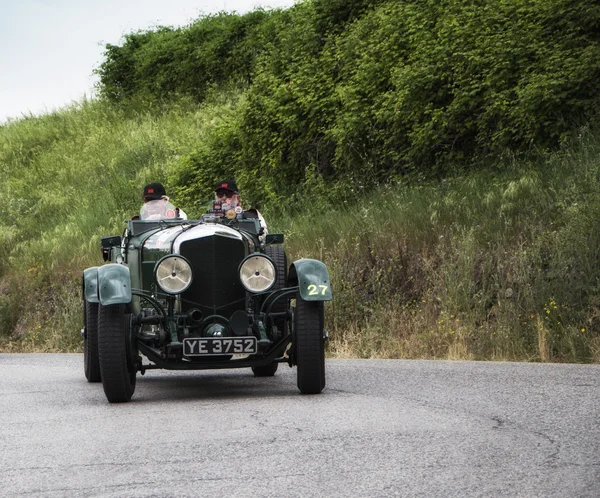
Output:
x,y
116,368
267,370
91,364
309,345
277,254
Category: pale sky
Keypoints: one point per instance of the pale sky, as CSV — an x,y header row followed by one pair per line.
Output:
x,y
49,48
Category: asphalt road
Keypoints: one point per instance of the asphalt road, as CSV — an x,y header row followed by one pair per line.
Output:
x,y
380,428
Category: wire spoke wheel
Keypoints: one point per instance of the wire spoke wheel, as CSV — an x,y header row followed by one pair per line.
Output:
x,y
267,370
278,256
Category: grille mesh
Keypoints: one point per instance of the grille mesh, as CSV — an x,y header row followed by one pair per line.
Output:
x,y
216,289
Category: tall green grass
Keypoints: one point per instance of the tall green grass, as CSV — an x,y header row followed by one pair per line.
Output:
x,y
70,178
75,175
500,264
497,264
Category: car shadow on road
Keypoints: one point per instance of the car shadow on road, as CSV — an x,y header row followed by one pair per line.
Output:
x,y
212,385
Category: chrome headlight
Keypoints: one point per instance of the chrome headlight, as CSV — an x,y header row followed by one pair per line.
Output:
x,y
173,274
257,273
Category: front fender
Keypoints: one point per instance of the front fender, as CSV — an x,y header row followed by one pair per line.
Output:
x,y
90,284
312,278
114,284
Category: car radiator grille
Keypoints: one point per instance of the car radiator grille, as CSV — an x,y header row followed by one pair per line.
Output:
x,y
216,288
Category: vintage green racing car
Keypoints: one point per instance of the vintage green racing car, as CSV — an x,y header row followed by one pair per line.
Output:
x,y
211,293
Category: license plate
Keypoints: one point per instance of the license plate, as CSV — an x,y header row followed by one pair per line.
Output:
x,y
213,346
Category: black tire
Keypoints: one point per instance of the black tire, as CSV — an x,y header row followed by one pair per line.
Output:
x,y
267,370
277,254
309,345
116,368
91,363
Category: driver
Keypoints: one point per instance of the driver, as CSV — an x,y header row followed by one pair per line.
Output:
x,y
226,192
157,206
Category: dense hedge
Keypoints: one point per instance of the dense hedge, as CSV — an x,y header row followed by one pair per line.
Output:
x,y
346,94
210,52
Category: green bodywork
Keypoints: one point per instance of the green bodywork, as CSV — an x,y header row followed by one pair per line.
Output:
x,y
162,323
107,284
90,284
312,278
114,284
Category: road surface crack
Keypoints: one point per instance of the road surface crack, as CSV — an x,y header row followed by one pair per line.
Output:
x,y
500,423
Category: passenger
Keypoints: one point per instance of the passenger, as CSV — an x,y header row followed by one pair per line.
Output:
x,y
157,206
226,192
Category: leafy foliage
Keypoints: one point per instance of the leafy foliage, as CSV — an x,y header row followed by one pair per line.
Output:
x,y
477,243
499,263
159,64
350,94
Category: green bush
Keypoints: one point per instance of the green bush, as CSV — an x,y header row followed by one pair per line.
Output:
x,y
168,62
353,94
424,86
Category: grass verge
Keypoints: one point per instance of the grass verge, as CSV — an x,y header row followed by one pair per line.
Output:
x,y
500,264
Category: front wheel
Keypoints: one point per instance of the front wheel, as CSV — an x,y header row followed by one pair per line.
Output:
x,y
116,368
309,347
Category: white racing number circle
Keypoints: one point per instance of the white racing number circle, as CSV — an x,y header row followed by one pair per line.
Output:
x,y
257,273
173,274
